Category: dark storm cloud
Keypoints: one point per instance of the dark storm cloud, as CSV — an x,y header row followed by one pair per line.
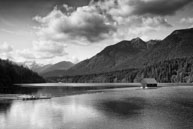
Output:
x,y
29,8
157,7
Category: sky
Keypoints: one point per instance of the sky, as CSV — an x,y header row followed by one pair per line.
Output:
x,y
50,31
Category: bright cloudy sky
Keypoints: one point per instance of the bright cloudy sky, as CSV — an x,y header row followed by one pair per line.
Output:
x,y
49,31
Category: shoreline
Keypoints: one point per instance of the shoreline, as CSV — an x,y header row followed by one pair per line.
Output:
x,y
9,96
118,85
78,88
67,93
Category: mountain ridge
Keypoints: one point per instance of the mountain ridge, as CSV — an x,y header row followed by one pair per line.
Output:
x,y
63,65
136,53
110,57
51,69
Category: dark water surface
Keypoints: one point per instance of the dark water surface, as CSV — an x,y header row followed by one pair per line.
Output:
x,y
128,108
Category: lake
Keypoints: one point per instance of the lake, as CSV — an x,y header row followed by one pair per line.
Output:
x,y
124,108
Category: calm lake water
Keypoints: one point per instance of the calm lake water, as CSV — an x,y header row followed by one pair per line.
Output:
x,y
128,108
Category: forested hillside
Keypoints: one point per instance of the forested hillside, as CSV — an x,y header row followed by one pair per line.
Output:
x,y
174,70
11,73
116,76
137,53
111,57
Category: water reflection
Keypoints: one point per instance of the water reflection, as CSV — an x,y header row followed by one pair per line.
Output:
x,y
45,114
126,107
166,108
5,106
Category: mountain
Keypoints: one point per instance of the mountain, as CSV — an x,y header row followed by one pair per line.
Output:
x,y
55,69
111,57
37,67
177,45
49,69
32,65
137,53
152,43
64,65
178,70
53,73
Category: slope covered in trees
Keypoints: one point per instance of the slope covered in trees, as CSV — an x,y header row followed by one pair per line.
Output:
x,y
174,70
111,57
11,73
115,76
137,53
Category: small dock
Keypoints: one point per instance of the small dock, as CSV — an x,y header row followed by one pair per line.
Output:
x,y
32,97
22,97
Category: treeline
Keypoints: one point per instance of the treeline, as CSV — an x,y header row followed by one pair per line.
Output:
x,y
115,76
11,73
174,70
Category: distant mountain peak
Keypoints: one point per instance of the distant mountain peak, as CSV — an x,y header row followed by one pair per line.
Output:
x,y
56,69
138,43
138,39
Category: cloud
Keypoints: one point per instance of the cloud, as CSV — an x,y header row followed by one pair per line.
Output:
x,y
101,20
157,7
188,20
142,7
139,26
5,47
136,18
156,22
6,51
27,54
141,21
49,47
84,23
43,50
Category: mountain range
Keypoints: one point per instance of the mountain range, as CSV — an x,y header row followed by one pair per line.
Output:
x,y
50,69
137,53
57,69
